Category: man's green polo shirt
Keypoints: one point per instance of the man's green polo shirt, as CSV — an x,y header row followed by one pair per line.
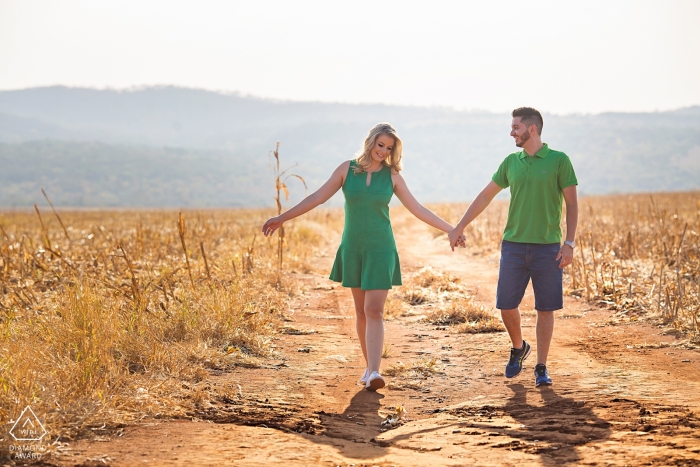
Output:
x,y
536,184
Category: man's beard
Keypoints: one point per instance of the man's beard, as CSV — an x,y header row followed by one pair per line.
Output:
x,y
523,139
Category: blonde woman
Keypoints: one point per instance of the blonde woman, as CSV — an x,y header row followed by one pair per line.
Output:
x,y
367,261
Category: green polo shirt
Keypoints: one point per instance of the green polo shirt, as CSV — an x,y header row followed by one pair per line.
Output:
x,y
536,184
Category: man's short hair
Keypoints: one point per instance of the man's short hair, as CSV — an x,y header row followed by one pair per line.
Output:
x,y
530,116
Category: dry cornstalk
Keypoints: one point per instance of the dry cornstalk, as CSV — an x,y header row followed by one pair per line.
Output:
x,y
2,229
134,279
585,274
280,185
43,228
247,258
65,231
181,231
661,285
206,263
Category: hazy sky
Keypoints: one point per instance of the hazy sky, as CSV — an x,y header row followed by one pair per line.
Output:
x,y
560,56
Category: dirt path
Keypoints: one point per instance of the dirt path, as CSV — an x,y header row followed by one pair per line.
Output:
x,y
616,400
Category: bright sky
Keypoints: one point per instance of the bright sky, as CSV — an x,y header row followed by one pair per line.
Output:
x,y
559,56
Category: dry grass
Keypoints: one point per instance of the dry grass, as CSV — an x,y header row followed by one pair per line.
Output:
x,y
638,254
101,324
467,316
394,307
435,280
386,351
430,286
415,296
412,376
421,368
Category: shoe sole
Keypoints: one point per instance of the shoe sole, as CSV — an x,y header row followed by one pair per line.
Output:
x,y
375,384
543,384
521,367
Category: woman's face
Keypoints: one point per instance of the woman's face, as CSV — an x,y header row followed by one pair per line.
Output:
x,y
382,147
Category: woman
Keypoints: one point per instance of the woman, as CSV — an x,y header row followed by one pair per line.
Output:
x,y
367,260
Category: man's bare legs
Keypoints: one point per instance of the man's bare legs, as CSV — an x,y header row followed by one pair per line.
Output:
x,y
511,320
369,308
544,331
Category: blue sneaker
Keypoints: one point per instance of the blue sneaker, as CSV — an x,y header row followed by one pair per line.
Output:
x,y
515,364
541,376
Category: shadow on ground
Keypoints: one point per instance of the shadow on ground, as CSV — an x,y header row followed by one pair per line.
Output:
x,y
555,427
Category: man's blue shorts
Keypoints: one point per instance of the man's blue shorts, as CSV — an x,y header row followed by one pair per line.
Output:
x,y
522,261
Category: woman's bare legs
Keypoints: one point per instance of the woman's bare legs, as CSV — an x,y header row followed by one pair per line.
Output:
x,y
359,296
369,307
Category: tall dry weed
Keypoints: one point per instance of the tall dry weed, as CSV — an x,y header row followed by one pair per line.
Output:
x,y
637,254
102,322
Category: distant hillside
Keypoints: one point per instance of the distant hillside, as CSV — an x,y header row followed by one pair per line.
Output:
x,y
97,174
183,147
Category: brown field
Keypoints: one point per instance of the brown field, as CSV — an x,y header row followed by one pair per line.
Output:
x,y
639,254
108,321
116,319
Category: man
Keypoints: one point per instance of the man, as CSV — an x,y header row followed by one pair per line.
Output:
x,y
538,177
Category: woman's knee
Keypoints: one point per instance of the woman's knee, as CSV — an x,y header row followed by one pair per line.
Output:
x,y
374,313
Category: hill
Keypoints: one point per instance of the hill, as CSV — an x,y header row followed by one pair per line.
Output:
x,y
171,146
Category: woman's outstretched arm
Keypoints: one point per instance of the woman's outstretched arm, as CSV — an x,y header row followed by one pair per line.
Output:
x,y
414,207
320,196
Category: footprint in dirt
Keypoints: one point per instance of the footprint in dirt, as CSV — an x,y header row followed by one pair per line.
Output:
x,y
554,426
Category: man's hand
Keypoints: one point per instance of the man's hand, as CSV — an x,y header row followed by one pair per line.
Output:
x,y
566,254
457,238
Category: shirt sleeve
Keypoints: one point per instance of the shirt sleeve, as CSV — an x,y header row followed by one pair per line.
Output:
x,y
501,175
566,176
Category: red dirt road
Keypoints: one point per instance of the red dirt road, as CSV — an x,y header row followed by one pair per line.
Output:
x,y
616,399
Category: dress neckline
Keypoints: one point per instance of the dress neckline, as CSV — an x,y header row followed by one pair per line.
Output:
x,y
372,179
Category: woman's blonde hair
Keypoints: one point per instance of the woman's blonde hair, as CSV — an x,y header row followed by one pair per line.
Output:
x,y
364,157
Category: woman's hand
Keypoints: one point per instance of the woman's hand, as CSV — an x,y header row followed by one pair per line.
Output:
x,y
271,225
457,238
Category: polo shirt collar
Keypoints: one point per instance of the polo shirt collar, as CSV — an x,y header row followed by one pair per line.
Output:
x,y
542,153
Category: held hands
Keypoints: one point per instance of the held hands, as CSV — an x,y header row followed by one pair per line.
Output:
x,y
271,225
566,254
457,238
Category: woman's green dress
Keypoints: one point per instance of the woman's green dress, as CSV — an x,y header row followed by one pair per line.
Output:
x,y
367,256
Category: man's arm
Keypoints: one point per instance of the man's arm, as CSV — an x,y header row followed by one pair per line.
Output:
x,y
566,253
477,207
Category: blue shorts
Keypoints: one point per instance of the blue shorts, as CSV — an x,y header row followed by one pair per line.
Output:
x,y
522,261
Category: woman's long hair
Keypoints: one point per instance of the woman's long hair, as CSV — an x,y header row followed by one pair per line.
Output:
x,y
363,156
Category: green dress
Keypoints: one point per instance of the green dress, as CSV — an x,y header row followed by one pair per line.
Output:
x,y
367,256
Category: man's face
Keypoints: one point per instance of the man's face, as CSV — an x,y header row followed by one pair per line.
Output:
x,y
519,131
